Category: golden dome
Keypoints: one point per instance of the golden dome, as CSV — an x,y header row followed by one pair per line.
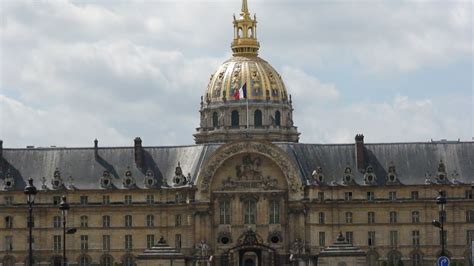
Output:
x,y
263,82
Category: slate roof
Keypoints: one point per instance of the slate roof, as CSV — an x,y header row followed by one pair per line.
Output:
x,y
412,161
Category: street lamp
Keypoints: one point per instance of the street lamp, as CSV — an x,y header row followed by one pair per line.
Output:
x,y
64,207
30,192
441,202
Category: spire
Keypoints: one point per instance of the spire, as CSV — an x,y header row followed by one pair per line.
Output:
x,y
245,34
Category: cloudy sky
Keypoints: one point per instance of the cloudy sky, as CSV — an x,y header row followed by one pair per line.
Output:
x,y
396,71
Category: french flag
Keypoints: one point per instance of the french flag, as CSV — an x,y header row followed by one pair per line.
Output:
x,y
241,93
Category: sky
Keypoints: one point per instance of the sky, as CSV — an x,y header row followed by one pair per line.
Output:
x,y
73,71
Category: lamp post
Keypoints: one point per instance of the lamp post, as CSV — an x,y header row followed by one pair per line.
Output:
x,y
64,207
30,192
441,202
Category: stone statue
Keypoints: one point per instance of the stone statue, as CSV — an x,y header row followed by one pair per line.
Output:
x,y
203,248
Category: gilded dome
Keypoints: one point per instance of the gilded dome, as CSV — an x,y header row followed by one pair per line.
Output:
x,y
263,82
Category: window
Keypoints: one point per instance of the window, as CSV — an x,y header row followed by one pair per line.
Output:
x,y
128,242
84,242
322,239
274,212
215,119
177,220
177,241
416,258
56,200
57,221
415,236
370,195
277,118
321,218
105,199
106,242
128,261
9,243
350,237
8,200
128,199
250,209
150,220
415,217
106,260
84,261
321,196
392,195
393,217
150,199
128,221
84,221
257,117
106,221
469,194
469,237
393,238
347,196
9,222
235,118
224,212
150,241
371,217
470,216
371,238
414,195
84,200
57,243
348,217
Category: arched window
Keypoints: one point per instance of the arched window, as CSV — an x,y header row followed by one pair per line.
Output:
x,y
106,260
277,118
239,32
372,258
57,261
250,33
250,211
128,261
84,260
257,118
235,118
394,258
416,259
224,212
274,210
215,119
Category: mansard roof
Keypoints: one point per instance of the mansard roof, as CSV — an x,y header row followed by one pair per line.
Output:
x,y
413,163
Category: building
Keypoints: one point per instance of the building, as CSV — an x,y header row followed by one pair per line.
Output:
x,y
246,194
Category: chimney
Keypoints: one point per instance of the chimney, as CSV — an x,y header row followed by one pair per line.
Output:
x,y
96,148
360,152
138,150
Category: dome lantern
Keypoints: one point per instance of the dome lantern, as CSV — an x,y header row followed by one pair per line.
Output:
x,y
245,33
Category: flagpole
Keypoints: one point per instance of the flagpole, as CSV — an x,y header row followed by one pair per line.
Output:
x,y
247,114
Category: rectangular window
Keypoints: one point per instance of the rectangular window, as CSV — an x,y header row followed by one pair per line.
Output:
x,y
56,200
57,221
371,217
393,217
8,200
250,209
415,217
348,217
178,241
224,212
150,220
150,199
57,243
393,239
128,199
414,195
106,242
178,220
150,241
371,238
347,196
321,196
128,242
322,239
128,221
392,195
9,243
274,212
105,199
469,237
179,198
106,221
9,222
350,237
84,242
84,200
370,195
469,194
470,216
84,221
321,218
415,236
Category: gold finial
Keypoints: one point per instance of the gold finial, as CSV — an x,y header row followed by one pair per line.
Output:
x,y
245,9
